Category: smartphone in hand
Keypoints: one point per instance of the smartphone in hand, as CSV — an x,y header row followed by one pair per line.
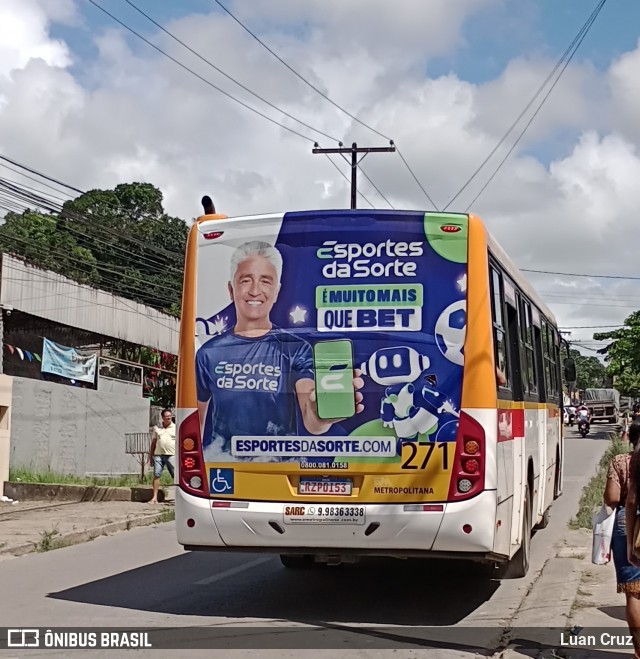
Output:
x,y
333,366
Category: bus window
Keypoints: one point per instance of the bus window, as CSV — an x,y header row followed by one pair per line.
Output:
x,y
529,379
532,368
555,356
513,334
539,354
499,333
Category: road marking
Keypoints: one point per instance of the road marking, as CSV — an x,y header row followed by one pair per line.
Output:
x,y
234,570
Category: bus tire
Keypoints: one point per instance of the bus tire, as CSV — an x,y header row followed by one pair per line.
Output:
x,y
518,566
556,480
296,561
544,522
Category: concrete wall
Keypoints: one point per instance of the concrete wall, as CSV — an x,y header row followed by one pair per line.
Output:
x,y
120,387
72,430
6,383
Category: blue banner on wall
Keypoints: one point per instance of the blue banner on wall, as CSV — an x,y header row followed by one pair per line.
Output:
x,y
67,362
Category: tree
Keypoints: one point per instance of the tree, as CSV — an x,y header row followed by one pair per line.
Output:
x,y
37,238
119,240
590,370
622,354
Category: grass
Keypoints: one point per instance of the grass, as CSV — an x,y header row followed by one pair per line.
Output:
x,y
47,476
46,539
167,515
593,491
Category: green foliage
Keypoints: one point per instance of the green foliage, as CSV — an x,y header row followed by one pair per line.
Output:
x,y
593,491
622,355
119,240
167,515
126,480
39,239
590,370
47,539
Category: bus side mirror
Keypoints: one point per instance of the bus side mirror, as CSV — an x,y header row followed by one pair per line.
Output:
x,y
570,370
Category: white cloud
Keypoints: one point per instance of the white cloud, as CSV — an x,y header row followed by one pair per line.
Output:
x,y
143,118
24,34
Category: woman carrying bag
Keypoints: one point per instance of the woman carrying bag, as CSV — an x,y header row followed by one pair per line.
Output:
x,y
621,494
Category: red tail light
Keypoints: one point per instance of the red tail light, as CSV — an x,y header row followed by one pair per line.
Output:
x,y
467,475
192,474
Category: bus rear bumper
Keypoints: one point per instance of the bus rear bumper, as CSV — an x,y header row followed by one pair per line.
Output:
x,y
467,529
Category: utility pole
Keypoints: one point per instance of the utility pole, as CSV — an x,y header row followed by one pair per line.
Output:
x,y
354,150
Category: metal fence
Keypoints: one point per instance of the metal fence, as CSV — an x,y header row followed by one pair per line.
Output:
x,y
138,444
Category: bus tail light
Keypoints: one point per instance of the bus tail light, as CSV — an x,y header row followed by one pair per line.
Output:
x,y
471,447
189,463
192,475
470,466
467,476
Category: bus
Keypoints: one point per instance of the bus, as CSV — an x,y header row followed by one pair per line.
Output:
x,y
358,383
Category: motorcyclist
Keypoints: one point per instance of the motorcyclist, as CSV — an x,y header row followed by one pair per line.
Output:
x,y
583,414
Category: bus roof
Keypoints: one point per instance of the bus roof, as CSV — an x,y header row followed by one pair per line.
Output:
x,y
518,278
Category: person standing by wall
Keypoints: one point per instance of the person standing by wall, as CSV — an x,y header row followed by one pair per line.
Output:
x,y
621,495
162,451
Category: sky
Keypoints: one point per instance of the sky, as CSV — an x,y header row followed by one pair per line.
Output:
x,y
89,103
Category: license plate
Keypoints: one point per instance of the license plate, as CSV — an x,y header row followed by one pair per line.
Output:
x,y
332,486
324,514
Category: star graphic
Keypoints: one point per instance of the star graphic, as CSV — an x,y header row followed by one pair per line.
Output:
x,y
462,283
298,315
219,325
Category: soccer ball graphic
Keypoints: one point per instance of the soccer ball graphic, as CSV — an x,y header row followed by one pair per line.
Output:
x,y
451,328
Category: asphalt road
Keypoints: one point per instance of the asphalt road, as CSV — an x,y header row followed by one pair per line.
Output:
x,y
143,578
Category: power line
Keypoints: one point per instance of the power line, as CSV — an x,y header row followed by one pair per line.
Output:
x,y
97,266
592,304
73,215
375,187
247,89
33,171
347,179
627,298
197,75
575,274
226,75
300,76
589,326
19,173
415,178
31,284
590,22
325,96
526,108
54,207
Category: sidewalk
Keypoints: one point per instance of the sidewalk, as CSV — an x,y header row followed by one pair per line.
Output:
x,y
571,594
30,526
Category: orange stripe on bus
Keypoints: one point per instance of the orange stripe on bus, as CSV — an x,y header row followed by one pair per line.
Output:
x,y
186,390
479,383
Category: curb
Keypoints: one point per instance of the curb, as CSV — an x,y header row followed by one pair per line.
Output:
x,y
78,537
71,492
551,600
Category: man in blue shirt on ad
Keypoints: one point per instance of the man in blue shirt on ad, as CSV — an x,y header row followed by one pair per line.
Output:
x,y
254,379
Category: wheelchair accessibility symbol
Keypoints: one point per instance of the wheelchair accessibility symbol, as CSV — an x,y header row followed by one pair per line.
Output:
x,y
221,481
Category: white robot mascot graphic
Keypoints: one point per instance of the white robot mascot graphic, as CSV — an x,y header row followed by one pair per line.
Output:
x,y
411,404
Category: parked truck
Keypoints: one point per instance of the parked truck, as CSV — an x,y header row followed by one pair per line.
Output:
x,y
604,404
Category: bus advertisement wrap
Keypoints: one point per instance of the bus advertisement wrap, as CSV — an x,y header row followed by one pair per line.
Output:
x,y
331,340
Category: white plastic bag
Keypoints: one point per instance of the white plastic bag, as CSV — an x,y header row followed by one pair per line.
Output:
x,y
603,522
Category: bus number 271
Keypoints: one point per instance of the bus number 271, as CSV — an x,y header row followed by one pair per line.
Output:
x,y
413,461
